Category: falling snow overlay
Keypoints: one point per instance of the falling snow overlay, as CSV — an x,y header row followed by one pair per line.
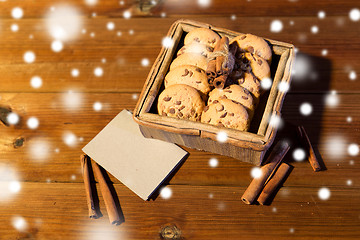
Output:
x,y
69,67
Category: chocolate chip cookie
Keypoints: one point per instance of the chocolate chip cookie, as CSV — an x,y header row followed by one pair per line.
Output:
x,y
194,59
203,36
189,75
253,44
181,101
235,93
257,65
252,84
226,113
196,47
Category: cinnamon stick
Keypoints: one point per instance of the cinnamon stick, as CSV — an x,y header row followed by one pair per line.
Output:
x,y
211,69
106,193
220,61
306,142
274,182
220,81
273,161
85,161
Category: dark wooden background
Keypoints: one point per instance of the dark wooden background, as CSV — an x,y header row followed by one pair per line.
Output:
x,y
205,201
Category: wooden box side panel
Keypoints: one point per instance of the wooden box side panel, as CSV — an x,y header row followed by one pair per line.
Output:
x,y
205,144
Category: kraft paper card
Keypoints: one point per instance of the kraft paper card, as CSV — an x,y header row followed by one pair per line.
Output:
x,y
140,163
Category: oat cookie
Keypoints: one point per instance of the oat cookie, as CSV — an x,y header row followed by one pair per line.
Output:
x,y
194,59
236,94
181,101
189,75
203,36
254,44
226,113
195,47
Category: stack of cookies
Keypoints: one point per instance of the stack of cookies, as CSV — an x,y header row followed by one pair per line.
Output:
x,y
189,95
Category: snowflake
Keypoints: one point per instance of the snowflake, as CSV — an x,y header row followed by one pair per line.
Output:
x,y
167,42
283,86
127,14
13,118
91,2
204,3
166,192
256,172
36,82
145,62
353,149
213,162
321,14
64,23
32,123
266,83
17,13
14,27
98,71
335,146
71,100
306,109
9,182
110,26
29,57
57,46
354,14
221,137
38,149
314,29
19,223
75,72
70,139
332,99
276,121
97,106
324,193
276,26
352,75
299,154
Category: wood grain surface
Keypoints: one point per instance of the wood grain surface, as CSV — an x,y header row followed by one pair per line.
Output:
x,y
46,198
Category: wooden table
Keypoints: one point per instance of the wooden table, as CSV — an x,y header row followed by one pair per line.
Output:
x,y
45,198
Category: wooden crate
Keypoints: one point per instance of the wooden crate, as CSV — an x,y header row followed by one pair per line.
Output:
x,y
246,146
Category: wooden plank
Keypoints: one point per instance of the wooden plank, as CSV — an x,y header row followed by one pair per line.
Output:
x,y
56,119
259,8
59,211
123,71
